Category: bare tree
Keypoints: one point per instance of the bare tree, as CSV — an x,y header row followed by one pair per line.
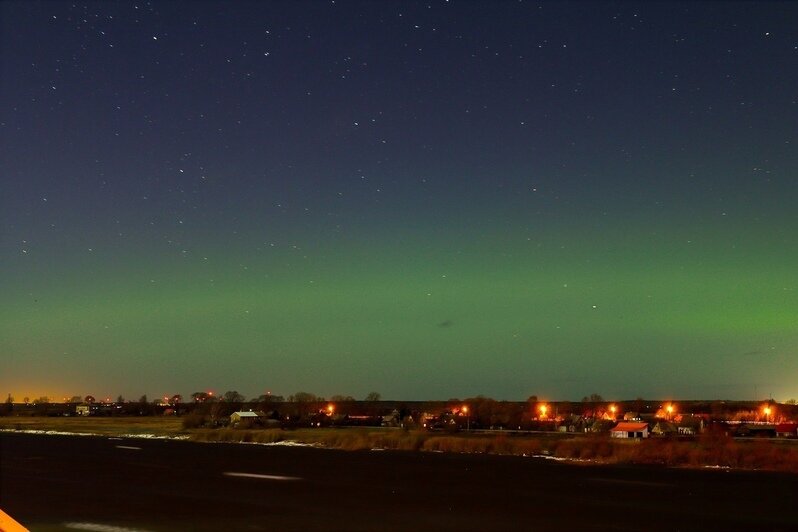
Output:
x,y
200,397
8,407
233,397
304,397
342,398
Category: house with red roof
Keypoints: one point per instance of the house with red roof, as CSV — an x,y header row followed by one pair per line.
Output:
x,y
629,429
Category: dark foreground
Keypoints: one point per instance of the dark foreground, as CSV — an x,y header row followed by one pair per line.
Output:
x,y
81,483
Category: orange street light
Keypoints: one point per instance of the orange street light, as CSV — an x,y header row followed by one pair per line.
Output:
x,y
669,409
767,411
330,409
464,410
543,409
613,409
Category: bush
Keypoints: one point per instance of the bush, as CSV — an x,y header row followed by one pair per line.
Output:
x,y
194,420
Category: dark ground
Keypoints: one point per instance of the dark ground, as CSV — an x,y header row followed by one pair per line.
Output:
x,y
54,482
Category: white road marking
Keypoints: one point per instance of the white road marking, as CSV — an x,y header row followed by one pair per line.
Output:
x,y
256,475
99,527
130,447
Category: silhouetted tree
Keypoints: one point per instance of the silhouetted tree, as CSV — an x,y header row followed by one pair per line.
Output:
x,y
145,407
232,397
342,398
373,397
268,398
303,403
200,397
639,404
590,403
8,406
304,397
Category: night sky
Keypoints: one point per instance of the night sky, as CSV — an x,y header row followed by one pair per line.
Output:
x,y
428,200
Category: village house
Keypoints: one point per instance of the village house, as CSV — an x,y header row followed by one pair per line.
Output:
x,y
664,428
690,425
629,429
238,417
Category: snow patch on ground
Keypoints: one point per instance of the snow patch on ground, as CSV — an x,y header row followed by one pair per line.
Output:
x,y
64,433
283,443
145,436
49,432
560,458
292,443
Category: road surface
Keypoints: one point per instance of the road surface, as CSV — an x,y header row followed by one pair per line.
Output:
x,y
100,483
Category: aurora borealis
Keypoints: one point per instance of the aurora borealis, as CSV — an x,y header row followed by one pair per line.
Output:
x,y
429,200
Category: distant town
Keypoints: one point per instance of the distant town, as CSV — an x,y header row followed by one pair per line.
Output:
x,y
636,419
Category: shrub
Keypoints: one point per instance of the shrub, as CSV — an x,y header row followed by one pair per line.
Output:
x,y
194,420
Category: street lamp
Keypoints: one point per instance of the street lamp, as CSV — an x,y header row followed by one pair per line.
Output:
x,y
543,409
613,409
767,413
464,410
669,409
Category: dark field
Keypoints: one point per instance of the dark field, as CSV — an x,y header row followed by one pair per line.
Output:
x,y
58,482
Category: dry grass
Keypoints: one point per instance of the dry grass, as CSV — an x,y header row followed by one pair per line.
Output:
x,y
109,426
351,439
708,450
